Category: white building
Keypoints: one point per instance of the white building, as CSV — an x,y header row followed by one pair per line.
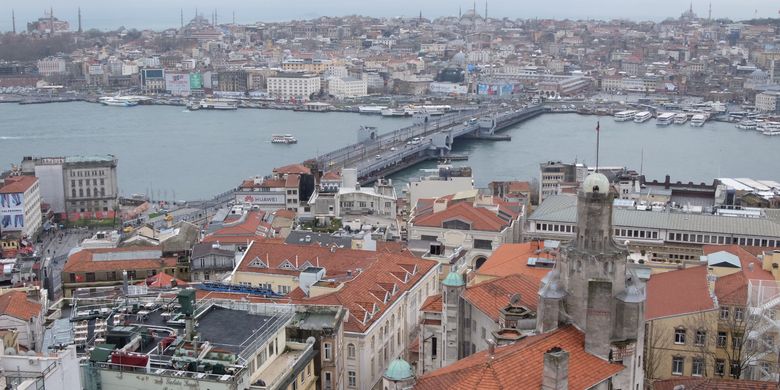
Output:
x,y
297,86
56,371
442,181
767,101
20,205
20,313
346,87
351,199
51,66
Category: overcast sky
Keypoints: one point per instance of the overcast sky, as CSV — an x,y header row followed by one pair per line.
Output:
x,y
160,14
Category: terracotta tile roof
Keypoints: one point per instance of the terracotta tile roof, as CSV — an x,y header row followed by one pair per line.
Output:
x,y
746,258
15,184
358,296
82,261
162,280
331,176
493,295
266,257
292,181
292,168
479,218
665,289
732,289
511,259
433,304
520,365
248,228
282,213
16,304
712,383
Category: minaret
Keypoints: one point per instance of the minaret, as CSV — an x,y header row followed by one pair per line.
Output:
x,y
460,13
51,20
709,14
181,16
486,9
80,20
13,22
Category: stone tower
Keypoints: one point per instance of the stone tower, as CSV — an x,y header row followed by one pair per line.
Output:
x,y
452,286
591,289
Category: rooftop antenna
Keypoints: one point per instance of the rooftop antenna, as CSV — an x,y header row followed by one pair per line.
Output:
x,y
80,20
598,133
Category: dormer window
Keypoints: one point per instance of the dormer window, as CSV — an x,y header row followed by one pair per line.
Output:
x,y
257,263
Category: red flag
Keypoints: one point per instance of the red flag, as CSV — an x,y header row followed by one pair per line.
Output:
x,y
597,126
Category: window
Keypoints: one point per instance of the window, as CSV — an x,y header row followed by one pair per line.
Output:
x,y
434,347
724,313
722,339
351,379
90,276
351,351
326,351
735,369
720,367
679,336
736,341
701,337
739,314
677,365
483,244
698,367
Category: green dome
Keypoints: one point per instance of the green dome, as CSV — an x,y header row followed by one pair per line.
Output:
x,y
453,280
399,370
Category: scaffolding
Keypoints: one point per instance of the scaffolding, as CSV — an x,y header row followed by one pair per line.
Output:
x,y
764,337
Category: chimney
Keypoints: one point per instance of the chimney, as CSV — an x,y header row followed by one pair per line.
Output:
x,y
667,182
556,370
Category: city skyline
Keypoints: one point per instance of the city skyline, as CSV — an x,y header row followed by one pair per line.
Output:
x,y
104,17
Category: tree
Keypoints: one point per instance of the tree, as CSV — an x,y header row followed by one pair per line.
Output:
x,y
746,341
657,340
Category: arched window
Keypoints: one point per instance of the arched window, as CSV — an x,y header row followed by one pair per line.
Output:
x,y
351,351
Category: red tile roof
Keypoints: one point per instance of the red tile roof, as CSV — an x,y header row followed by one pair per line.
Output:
x,y
292,181
282,213
433,304
511,259
712,383
162,280
248,228
732,289
292,168
365,293
493,295
665,289
266,257
520,365
16,304
16,184
331,176
82,261
479,218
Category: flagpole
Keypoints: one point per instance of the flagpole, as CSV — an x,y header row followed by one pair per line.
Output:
x,y
598,135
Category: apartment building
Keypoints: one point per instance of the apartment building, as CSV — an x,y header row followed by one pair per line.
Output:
x,y
293,86
91,188
20,206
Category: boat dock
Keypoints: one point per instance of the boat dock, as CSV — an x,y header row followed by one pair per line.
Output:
x,y
376,155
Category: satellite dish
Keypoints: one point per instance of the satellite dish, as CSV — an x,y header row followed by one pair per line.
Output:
x,y
514,300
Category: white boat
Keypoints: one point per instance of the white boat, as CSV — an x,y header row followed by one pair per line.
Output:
x,y
436,110
119,101
747,125
624,116
680,119
371,109
769,128
698,120
393,112
283,139
665,119
642,117
218,104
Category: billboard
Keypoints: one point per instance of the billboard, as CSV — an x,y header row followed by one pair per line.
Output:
x,y
12,212
196,81
263,199
178,84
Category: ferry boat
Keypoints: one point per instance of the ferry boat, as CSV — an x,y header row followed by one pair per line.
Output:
x,y
698,120
118,101
665,119
747,125
283,139
393,112
680,119
769,128
437,110
218,104
371,109
624,116
642,117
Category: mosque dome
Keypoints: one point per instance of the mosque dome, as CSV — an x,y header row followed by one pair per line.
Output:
x,y
453,280
399,370
596,182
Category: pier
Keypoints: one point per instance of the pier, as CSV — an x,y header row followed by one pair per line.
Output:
x,y
375,155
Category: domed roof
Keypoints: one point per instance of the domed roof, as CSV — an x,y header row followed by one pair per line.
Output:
x,y
399,370
459,58
596,182
453,280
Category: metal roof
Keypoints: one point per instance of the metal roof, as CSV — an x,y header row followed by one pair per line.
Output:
x,y
563,208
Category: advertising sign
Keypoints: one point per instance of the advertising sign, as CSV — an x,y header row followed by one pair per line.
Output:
x,y
196,81
177,84
12,212
262,199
